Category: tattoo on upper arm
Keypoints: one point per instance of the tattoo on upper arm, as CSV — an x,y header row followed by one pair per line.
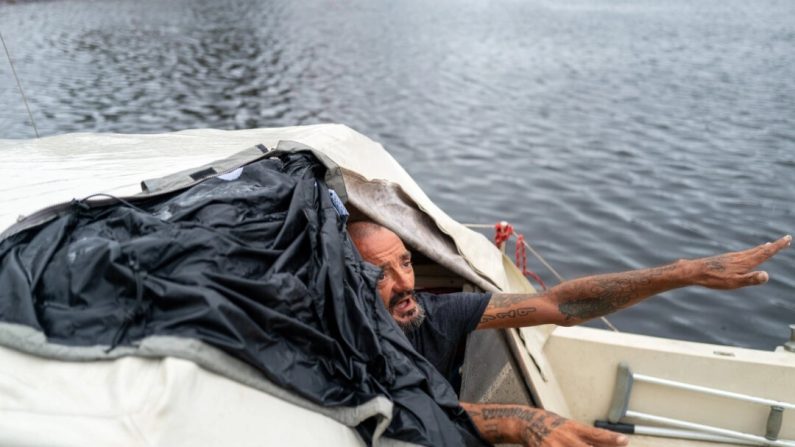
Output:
x,y
610,293
513,313
503,306
499,300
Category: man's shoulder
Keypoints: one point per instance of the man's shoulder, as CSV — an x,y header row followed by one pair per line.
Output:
x,y
434,301
450,317
452,295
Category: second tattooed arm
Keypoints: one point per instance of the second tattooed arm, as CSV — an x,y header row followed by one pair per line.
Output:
x,y
575,301
534,427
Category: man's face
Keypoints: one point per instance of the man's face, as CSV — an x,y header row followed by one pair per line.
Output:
x,y
396,284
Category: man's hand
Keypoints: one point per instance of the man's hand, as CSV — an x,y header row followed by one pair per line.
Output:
x,y
534,427
573,302
735,270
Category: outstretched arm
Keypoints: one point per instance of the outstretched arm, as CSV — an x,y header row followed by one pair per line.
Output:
x,y
573,302
534,427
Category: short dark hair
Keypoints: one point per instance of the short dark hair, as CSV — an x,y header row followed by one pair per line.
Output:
x,y
363,228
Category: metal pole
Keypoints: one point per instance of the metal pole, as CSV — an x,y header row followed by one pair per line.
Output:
x,y
709,429
712,391
688,434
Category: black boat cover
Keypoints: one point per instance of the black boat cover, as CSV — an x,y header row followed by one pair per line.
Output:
x,y
256,264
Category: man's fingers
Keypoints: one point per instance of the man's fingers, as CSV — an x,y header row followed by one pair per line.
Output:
x,y
754,256
765,251
604,438
783,243
755,278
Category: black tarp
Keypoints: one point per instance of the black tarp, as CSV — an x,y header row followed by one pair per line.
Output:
x,y
259,266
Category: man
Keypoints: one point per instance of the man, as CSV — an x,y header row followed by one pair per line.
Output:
x,y
438,325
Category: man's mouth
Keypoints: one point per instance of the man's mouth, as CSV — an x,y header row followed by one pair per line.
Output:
x,y
407,311
404,304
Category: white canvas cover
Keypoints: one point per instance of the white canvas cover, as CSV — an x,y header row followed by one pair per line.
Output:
x,y
39,172
42,172
135,401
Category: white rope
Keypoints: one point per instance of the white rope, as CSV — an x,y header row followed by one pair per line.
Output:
x,y
547,265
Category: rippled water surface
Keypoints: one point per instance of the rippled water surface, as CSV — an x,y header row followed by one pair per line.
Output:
x,y
614,134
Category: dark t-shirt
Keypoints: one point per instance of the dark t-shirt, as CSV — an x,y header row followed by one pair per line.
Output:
x,y
441,338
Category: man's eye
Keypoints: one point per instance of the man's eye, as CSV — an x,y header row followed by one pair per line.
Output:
x,y
381,276
407,264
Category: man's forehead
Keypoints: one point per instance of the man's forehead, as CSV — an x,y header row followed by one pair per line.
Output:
x,y
381,245
403,255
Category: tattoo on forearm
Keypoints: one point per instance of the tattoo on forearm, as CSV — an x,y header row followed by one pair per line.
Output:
x,y
494,434
716,263
603,296
537,425
585,309
608,293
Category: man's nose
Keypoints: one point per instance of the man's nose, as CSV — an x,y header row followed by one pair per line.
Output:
x,y
404,281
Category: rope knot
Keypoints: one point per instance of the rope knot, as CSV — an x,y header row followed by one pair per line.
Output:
x,y
504,230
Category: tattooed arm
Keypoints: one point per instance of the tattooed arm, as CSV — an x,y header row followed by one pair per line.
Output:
x,y
575,301
534,427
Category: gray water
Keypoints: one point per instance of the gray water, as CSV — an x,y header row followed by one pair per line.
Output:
x,y
613,134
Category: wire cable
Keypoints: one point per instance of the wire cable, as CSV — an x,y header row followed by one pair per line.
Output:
x,y
19,86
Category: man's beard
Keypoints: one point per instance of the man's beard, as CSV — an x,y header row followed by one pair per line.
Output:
x,y
416,319
415,322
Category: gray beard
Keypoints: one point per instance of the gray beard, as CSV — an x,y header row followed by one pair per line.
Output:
x,y
415,322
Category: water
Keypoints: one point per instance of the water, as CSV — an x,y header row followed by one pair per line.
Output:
x,y
614,134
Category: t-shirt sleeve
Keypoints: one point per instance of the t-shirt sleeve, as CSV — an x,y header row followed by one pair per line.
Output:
x,y
463,312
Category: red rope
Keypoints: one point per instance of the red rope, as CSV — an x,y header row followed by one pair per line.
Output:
x,y
504,231
521,255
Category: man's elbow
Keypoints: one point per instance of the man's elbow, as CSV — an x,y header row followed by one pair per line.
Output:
x,y
568,321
